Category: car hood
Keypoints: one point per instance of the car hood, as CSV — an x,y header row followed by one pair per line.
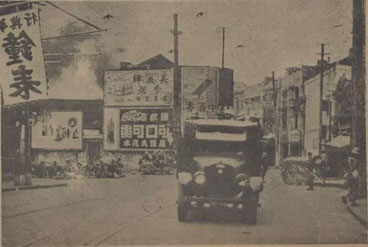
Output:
x,y
204,160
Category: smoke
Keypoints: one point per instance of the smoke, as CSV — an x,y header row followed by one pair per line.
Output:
x,y
76,81
80,76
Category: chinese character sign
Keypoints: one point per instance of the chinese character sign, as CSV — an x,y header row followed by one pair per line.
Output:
x,y
63,131
22,71
199,92
139,88
145,129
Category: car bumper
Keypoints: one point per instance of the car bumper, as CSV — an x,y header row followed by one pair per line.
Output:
x,y
208,203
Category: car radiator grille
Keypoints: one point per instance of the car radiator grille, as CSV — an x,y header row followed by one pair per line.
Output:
x,y
219,181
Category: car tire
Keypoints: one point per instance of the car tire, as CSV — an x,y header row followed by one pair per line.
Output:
x,y
182,214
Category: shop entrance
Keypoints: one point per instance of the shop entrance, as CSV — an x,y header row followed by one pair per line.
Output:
x,y
93,151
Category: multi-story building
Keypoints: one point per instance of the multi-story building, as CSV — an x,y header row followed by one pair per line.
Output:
x,y
334,73
256,102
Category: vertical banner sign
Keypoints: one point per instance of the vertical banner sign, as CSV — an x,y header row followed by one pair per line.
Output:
x,y
145,129
22,71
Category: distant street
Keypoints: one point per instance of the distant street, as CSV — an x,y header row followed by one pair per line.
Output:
x,y
141,210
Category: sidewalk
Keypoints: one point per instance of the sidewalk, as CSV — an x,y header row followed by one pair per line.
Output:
x,y
359,212
37,183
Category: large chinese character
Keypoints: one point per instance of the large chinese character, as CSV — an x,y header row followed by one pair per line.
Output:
x,y
138,130
126,131
31,19
164,116
16,22
142,90
23,82
157,89
3,25
13,45
154,117
163,78
189,106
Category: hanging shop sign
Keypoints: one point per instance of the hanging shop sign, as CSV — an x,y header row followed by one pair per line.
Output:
x,y
294,136
200,92
63,131
22,73
145,129
139,88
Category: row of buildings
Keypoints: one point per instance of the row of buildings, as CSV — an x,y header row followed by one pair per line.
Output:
x,y
288,108
116,114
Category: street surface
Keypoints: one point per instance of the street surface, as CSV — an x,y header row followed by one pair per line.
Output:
x,y
141,210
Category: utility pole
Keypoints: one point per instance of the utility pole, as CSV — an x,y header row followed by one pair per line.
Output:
x,y
275,126
278,118
223,47
177,82
358,78
321,95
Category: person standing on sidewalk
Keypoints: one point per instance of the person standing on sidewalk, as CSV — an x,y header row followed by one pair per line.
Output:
x,y
310,165
352,178
264,164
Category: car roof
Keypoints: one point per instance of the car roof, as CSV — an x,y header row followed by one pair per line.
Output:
x,y
220,122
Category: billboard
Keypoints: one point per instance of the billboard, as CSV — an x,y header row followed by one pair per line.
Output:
x,y
62,131
22,71
145,129
199,92
139,88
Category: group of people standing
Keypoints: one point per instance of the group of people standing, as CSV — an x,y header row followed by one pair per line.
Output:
x,y
353,176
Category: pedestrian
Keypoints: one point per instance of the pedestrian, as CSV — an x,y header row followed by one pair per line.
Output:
x,y
352,178
310,166
264,164
320,166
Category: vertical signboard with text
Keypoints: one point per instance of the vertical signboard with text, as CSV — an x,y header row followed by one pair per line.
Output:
x,y
199,92
22,71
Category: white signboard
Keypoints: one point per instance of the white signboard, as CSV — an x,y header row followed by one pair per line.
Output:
x,y
62,132
139,87
22,71
294,136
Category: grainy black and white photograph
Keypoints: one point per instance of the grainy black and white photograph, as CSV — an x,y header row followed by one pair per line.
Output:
x,y
178,122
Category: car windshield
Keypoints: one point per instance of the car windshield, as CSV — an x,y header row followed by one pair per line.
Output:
x,y
217,147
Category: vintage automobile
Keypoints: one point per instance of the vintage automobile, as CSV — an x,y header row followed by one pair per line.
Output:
x,y
219,166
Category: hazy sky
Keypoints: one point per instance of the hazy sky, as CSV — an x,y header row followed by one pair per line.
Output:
x,y
276,34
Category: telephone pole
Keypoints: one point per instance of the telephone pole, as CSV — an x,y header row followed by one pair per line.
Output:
x,y
358,78
223,47
321,95
177,83
275,117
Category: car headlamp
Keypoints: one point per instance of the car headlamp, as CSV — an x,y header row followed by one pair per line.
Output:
x,y
184,177
199,177
242,180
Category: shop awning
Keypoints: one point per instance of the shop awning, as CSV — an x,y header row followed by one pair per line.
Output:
x,y
339,142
